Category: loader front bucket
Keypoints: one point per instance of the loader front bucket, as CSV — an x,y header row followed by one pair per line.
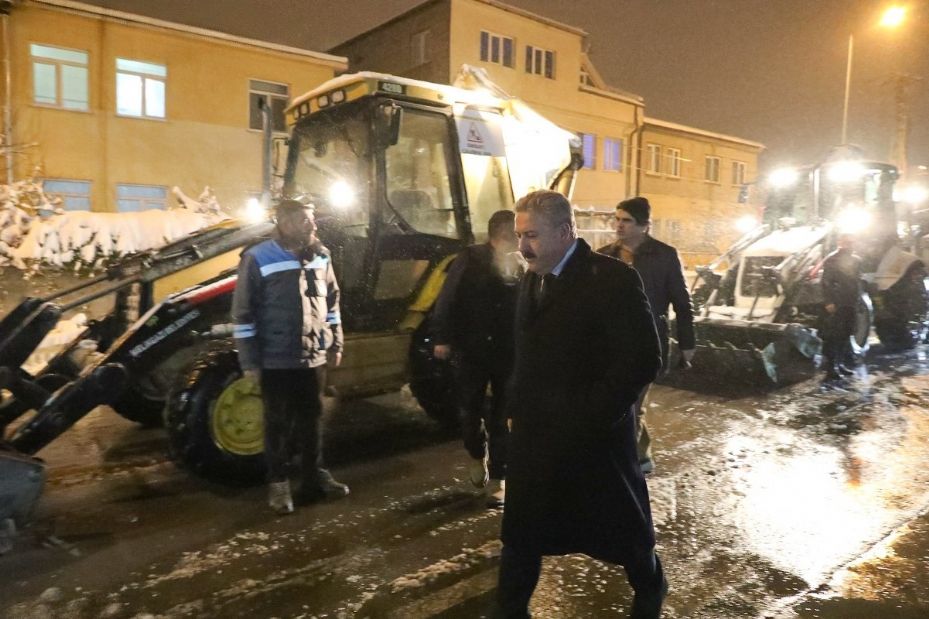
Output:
x,y
21,481
739,353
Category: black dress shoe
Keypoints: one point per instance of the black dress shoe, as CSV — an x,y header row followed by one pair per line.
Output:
x,y
648,605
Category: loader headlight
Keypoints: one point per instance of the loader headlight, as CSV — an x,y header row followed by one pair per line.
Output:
x,y
341,195
782,178
746,223
253,212
852,219
914,195
845,171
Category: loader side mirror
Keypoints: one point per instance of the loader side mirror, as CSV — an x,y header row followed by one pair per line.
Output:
x,y
387,118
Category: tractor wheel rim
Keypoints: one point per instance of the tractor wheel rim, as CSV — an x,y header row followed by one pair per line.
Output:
x,y
237,420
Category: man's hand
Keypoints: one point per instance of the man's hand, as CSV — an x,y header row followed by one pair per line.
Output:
x,y
253,375
830,308
335,359
688,354
442,351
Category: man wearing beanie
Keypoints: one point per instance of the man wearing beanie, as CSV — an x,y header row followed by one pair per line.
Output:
x,y
660,269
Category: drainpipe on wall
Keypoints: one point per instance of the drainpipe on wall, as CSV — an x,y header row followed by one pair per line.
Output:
x,y
635,155
5,7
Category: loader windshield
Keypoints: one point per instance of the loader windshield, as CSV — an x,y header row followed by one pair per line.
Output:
x,y
332,166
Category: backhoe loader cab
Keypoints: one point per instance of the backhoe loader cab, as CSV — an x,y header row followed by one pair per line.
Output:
x,y
758,318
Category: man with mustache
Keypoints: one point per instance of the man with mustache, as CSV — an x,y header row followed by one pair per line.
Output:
x,y
586,346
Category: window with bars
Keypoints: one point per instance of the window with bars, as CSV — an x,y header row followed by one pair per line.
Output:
x,y
497,49
74,194
613,154
654,159
590,150
711,170
419,48
540,61
140,88
132,198
738,173
275,96
59,77
674,162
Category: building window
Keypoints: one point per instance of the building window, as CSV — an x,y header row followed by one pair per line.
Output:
x,y
419,48
59,77
674,162
612,154
540,61
140,88
275,96
654,159
738,173
134,198
590,150
711,171
497,49
74,195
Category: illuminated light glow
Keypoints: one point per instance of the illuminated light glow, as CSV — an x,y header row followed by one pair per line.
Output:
x,y
254,212
913,195
746,223
845,171
783,177
893,17
341,195
852,220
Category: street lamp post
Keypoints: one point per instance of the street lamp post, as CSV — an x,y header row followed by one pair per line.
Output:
x,y
848,85
890,18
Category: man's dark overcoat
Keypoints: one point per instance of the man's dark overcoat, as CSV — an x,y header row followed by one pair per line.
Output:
x,y
583,355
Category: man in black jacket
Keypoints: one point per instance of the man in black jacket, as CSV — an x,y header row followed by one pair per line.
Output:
x,y
660,268
287,325
841,282
473,320
586,346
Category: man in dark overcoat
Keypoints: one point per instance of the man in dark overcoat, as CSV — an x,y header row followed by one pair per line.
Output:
x,y
586,346
659,266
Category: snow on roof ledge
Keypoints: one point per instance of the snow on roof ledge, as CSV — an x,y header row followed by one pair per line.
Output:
x,y
663,124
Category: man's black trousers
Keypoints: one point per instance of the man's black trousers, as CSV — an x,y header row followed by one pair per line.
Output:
x,y
292,412
837,332
483,430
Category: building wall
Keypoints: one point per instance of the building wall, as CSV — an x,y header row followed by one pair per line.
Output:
x,y
390,48
695,214
204,138
559,98
455,28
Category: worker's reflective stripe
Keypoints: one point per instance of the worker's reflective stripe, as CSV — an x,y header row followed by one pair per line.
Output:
x,y
275,267
334,318
243,331
319,262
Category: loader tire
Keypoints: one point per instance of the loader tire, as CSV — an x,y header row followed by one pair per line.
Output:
x,y
431,380
902,311
214,418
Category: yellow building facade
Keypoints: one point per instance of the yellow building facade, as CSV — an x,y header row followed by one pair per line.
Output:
x,y
112,109
697,183
534,58
544,63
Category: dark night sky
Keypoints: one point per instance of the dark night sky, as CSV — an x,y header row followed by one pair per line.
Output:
x,y
766,70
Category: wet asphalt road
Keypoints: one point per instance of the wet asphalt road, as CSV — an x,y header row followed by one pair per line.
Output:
x,y
796,503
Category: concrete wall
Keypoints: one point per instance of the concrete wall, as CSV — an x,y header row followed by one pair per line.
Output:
x,y
205,137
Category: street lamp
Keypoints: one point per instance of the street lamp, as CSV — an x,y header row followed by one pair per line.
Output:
x,y
892,17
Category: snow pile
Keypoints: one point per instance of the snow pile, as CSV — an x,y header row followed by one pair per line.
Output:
x,y
35,231
59,337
